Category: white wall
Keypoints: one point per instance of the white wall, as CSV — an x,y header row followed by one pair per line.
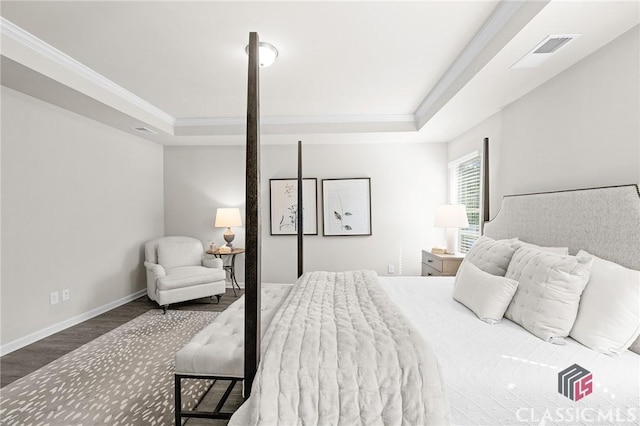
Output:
x,y
581,129
407,182
198,180
78,201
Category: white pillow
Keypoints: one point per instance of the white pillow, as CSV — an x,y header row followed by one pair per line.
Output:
x,y
609,315
549,288
486,295
492,256
173,255
556,250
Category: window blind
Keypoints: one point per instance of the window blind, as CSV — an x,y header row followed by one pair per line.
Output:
x,y
465,189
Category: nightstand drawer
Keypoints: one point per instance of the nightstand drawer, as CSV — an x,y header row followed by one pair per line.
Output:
x,y
445,265
431,261
428,271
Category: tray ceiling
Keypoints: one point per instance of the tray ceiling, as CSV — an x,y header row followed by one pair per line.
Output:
x,y
387,69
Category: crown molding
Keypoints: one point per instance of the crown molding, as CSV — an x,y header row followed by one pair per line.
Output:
x,y
42,48
296,124
295,119
436,98
28,42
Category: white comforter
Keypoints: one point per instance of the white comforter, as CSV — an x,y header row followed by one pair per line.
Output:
x,y
503,375
338,352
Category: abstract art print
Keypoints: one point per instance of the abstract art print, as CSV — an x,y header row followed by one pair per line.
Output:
x,y
346,206
284,206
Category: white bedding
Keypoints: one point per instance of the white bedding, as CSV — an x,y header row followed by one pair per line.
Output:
x,y
338,352
503,375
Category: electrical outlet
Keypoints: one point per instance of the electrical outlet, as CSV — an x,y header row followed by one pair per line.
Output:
x,y
54,298
66,295
391,269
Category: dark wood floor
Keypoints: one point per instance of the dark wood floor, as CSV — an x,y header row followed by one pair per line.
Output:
x,y
30,358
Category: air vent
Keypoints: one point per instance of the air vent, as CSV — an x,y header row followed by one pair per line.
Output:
x,y
544,50
145,130
553,44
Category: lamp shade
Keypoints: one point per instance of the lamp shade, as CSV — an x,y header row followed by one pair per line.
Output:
x,y
451,216
227,217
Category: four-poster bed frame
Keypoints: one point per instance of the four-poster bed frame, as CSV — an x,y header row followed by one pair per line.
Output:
x,y
252,254
253,231
546,213
253,208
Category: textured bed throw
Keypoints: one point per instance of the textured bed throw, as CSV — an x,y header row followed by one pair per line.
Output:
x,y
338,352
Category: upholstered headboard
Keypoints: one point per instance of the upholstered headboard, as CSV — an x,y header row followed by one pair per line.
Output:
x,y
603,221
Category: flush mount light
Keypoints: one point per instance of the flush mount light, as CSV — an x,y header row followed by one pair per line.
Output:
x,y
267,53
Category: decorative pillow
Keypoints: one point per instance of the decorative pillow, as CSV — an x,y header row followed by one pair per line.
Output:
x,y
486,295
549,288
556,250
492,256
173,255
609,314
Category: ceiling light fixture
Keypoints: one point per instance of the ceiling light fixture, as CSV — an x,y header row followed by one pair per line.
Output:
x,y
267,53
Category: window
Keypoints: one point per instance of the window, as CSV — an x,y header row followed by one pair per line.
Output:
x,y
465,189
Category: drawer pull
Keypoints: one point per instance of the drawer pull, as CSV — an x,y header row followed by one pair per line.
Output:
x,y
429,260
429,274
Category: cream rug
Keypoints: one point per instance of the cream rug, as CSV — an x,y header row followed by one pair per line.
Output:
x,y
124,377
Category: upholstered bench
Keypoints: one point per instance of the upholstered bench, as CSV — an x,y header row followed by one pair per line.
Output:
x,y
217,352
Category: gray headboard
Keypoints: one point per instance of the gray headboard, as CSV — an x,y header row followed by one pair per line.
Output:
x,y
603,221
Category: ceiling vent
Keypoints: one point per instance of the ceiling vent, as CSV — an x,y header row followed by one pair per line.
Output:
x,y
145,130
544,50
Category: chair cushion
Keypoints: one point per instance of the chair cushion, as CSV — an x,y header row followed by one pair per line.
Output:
x,y
186,276
175,254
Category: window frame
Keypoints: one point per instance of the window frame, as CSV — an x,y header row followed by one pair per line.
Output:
x,y
453,171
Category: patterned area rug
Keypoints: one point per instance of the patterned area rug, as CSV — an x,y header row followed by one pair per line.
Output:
x,y
124,377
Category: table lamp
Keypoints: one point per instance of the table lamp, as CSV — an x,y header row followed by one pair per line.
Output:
x,y
226,217
451,217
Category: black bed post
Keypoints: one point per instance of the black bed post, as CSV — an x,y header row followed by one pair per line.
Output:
x,y
300,226
485,183
252,279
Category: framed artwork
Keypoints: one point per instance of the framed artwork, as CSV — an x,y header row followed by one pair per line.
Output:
x,y
283,196
346,206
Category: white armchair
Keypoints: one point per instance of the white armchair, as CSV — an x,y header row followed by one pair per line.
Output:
x,y
178,271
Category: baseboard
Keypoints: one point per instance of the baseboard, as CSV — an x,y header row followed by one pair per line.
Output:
x,y
55,328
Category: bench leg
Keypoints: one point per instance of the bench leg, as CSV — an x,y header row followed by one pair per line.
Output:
x,y
178,400
216,413
164,309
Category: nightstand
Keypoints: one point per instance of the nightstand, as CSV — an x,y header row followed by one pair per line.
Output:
x,y
440,265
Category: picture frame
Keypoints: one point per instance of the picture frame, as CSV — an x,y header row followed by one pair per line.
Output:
x,y
346,207
283,200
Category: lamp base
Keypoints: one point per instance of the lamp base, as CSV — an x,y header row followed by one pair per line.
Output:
x,y
452,241
228,237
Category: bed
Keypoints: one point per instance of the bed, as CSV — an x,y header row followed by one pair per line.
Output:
x,y
501,373
490,373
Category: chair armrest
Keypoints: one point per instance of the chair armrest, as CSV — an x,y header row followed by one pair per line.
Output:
x,y
212,262
158,270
